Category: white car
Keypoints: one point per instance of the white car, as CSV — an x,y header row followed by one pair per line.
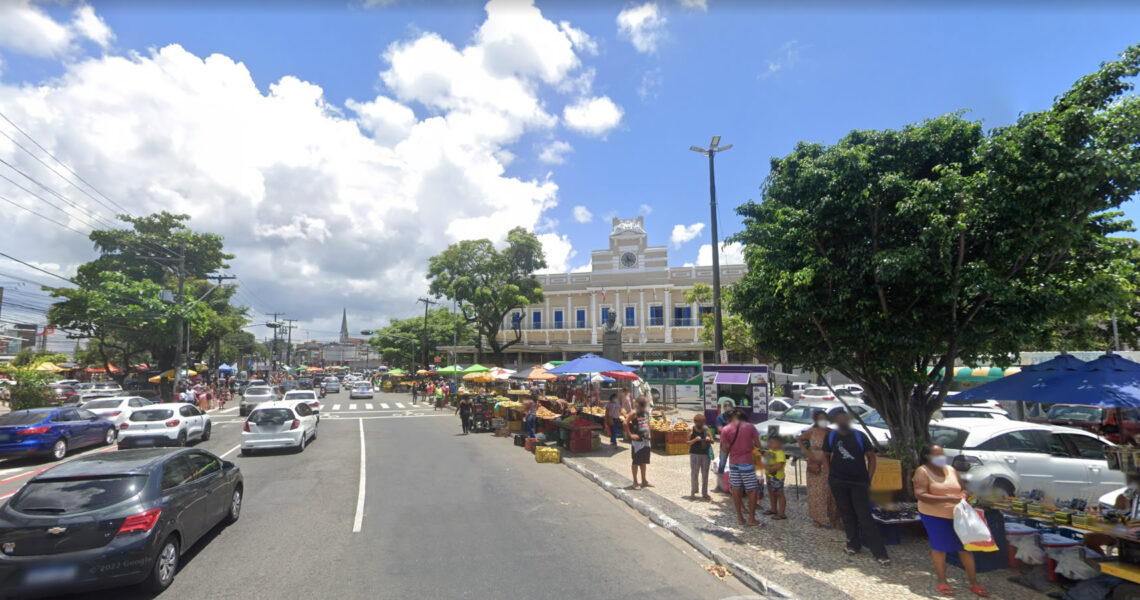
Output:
x,y
798,388
307,396
958,411
851,389
170,424
253,396
361,389
796,419
1011,457
816,393
73,382
779,405
279,425
118,409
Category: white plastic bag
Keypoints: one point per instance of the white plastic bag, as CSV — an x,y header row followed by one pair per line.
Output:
x,y
970,526
1071,565
1029,551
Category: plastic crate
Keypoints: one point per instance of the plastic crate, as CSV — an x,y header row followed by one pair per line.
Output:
x,y
675,449
520,440
514,426
547,455
530,444
580,446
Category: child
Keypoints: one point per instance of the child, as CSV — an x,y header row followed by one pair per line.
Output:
x,y
774,466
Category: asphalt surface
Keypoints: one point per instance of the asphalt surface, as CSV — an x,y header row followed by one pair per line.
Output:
x,y
443,516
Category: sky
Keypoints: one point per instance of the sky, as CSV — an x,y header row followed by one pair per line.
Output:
x,y
337,146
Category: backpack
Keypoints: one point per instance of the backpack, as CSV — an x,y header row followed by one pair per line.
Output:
x,y
858,436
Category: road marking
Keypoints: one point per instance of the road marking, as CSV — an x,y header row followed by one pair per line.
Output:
x,y
351,407
382,405
400,405
222,411
368,407
231,451
336,407
22,475
358,522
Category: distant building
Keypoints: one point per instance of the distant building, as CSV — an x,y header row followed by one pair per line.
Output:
x,y
346,351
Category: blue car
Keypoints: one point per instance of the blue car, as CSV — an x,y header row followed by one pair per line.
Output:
x,y
52,432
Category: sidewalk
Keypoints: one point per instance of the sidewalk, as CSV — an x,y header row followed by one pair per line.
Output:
x,y
782,559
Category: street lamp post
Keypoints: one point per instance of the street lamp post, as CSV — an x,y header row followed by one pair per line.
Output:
x,y
714,147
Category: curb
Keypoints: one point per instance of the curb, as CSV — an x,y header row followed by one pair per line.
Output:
x,y
692,537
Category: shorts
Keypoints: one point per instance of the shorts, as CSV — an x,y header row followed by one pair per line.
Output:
x,y
743,476
641,457
774,485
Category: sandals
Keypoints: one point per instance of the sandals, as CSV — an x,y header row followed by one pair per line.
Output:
x,y
945,589
769,512
980,591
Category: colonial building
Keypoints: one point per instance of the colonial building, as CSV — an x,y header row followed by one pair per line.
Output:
x,y
634,281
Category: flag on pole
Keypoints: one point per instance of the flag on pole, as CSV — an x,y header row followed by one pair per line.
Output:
x,y
47,331
603,294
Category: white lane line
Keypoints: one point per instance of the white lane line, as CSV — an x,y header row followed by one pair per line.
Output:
x,y
351,407
400,405
358,522
336,407
368,406
222,411
231,451
383,405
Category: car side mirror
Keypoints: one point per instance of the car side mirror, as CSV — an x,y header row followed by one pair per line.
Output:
x,y
227,465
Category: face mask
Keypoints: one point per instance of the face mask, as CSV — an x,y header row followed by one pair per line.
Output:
x,y
821,423
939,461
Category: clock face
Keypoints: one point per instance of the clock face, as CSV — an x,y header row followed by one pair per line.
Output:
x,y
628,259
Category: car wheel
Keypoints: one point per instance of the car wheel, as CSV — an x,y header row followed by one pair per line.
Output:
x,y
301,445
181,439
1005,487
165,566
59,449
110,435
246,452
235,506
206,432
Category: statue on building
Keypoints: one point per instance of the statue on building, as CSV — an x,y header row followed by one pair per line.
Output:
x,y
612,323
611,339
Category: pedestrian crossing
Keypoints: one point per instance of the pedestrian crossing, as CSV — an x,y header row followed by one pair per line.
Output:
x,y
372,406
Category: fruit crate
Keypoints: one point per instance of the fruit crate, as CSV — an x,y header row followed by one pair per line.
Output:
x,y
676,449
547,455
514,425
676,437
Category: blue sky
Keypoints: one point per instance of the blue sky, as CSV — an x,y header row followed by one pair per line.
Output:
x,y
764,76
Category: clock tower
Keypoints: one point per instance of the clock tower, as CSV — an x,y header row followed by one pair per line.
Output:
x,y
629,249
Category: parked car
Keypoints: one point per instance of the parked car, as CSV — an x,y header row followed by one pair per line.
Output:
x,y
331,384
307,396
1011,457
850,389
796,419
361,389
816,393
779,405
71,382
52,432
114,519
305,383
99,386
1118,427
116,409
950,411
254,396
170,424
64,394
282,424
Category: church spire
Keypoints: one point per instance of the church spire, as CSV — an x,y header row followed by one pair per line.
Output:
x,y
344,326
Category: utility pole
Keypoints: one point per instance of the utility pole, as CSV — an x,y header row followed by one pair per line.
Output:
x,y
427,305
218,340
273,351
289,343
181,316
714,147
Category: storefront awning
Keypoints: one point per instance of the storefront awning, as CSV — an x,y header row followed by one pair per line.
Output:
x,y
724,378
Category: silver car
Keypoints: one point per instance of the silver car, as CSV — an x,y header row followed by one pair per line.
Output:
x,y
360,389
254,396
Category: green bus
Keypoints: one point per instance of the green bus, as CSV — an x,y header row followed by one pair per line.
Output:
x,y
685,374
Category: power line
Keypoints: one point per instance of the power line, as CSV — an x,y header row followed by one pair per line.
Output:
x,y
31,266
44,217
51,191
46,201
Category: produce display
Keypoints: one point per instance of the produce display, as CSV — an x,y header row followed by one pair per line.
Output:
x,y
597,411
663,425
545,413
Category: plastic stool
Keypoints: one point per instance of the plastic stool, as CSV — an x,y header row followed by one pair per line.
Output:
x,y
1052,541
1016,530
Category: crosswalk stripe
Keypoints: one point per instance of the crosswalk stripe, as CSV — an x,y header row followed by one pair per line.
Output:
x,y
400,405
368,407
351,407
382,405
336,407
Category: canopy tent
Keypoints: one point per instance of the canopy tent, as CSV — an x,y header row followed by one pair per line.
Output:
x,y
397,372
475,369
1110,381
226,368
450,369
423,372
535,373
49,367
114,369
599,378
170,375
501,374
483,377
316,370
622,375
1023,385
730,378
590,363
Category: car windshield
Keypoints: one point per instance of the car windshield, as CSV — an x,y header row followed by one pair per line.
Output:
x,y
873,419
275,416
62,496
948,437
1092,414
21,418
95,404
301,396
257,391
153,414
797,414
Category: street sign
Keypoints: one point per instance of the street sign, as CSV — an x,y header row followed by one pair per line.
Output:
x,y
438,359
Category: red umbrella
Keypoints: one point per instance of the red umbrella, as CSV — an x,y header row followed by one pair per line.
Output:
x,y
625,375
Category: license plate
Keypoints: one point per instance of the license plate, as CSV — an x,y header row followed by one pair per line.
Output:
x,y
144,442
6,437
50,574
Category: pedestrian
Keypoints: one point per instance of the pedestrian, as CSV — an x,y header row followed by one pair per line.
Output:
x,y
821,504
531,411
738,439
439,397
415,393
613,418
700,457
851,459
774,461
636,427
464,410
938,490
725,405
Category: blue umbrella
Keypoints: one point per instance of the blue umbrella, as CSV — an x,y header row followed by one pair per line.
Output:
x,y
1110,381
226,368
1023,386
589,363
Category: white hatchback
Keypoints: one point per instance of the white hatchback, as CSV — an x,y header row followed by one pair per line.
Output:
x,y
170,424
118,409
307,396
279,425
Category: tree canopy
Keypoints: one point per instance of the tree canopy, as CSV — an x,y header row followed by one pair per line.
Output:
x,y
736,334
394,341
489,283
892,254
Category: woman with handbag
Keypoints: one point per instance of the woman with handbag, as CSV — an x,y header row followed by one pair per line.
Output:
x,y
700,457
821,504
938,490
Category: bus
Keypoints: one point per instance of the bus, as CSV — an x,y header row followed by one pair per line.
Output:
x,y
686,375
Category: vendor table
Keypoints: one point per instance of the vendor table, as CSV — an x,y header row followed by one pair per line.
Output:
x,y
1124,571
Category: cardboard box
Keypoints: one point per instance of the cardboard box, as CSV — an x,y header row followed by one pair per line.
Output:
x,y
888,475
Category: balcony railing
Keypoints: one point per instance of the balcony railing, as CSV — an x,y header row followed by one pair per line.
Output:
x,y
581,324
656,321
682,322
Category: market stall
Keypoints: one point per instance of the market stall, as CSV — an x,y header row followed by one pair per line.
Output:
x,y
746,386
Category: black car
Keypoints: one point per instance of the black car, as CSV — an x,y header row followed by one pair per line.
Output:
x,y
305,383
113,519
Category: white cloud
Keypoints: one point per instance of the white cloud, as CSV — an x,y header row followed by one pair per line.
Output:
x,y
355,197
555,152
786,57
580,39
685,233
582,214
651,82
28,29
593,116
91,26
558,251
730,254
643,25
696,4
645,209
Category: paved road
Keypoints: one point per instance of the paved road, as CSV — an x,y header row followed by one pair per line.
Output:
x,y
443,516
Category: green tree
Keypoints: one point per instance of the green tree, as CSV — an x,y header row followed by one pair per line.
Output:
x,y
28,357
396,348
892,254
489,283
736,334
32,387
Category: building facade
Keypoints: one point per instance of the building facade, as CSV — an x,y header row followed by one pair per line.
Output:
x,y
630,279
